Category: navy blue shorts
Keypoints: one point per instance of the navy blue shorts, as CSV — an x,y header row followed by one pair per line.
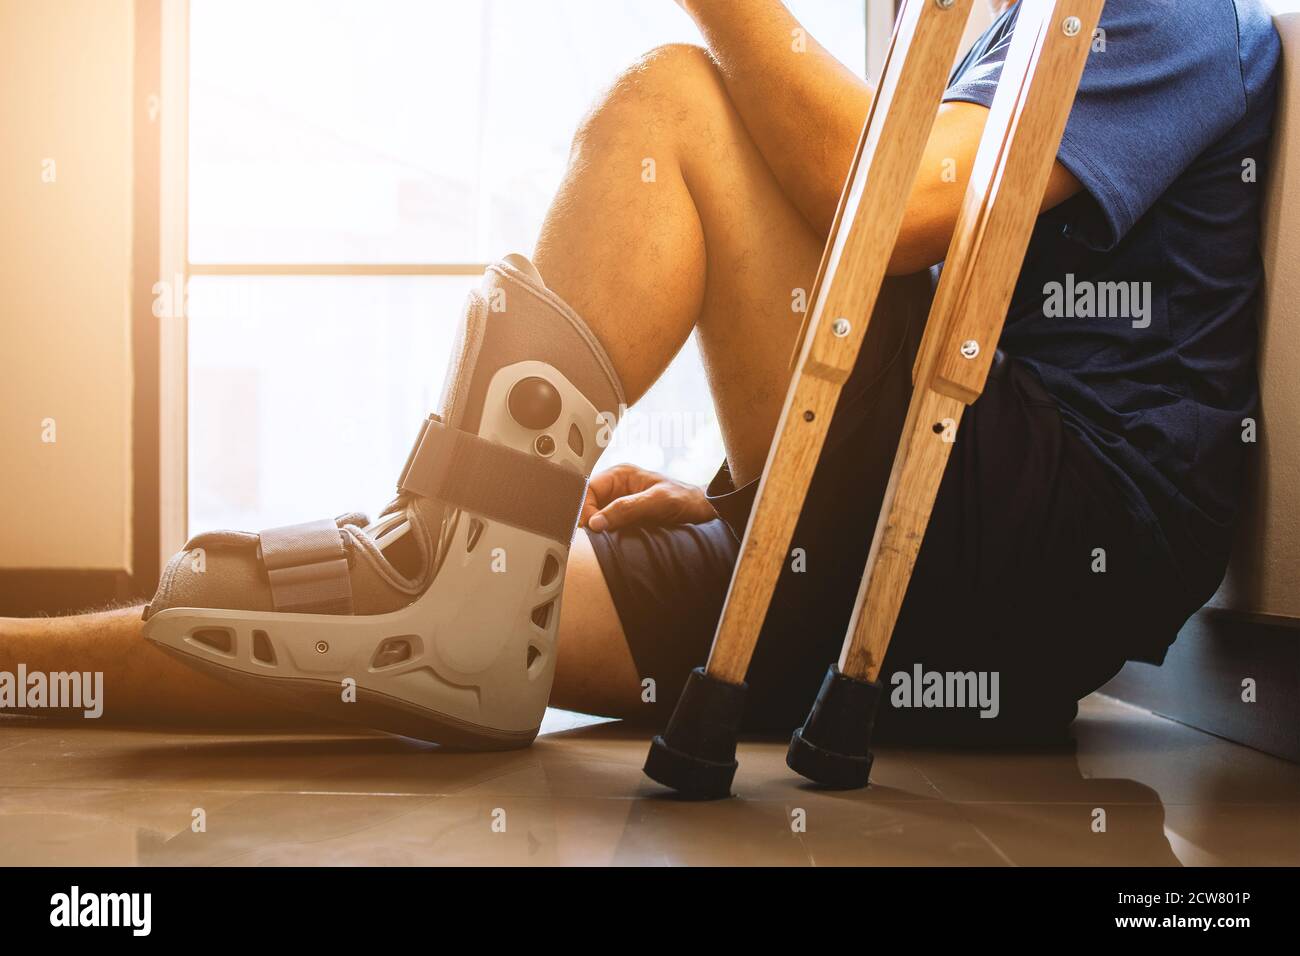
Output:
x,y
1007,580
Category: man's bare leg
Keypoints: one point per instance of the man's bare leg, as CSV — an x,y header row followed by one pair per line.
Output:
x,y
669,219
711,243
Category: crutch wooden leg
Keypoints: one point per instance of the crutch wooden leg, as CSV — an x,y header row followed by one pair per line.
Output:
x,y
1039,79
696,754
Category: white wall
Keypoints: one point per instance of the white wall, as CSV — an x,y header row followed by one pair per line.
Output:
x,y
65,273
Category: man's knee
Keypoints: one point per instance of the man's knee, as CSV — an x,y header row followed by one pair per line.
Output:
x,y
674,67
670,83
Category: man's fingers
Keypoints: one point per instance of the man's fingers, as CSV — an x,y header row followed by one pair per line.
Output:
x,y
627,510
615,482
601,486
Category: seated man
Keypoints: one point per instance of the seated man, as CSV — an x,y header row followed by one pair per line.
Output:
x,y
1085,513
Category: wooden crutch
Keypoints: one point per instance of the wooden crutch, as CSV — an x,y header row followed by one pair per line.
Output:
x,y
1026,121
696,753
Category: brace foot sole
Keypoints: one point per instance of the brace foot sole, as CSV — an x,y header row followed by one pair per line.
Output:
x,y
371,709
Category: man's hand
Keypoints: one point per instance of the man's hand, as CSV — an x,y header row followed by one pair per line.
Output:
x,y
626,495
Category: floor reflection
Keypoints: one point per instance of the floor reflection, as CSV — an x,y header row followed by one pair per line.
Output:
x,y
1134,790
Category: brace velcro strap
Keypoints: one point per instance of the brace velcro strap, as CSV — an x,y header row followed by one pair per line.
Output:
x,y
308,568
495,481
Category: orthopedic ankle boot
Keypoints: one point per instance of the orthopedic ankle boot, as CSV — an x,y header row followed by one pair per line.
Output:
x,y
438,620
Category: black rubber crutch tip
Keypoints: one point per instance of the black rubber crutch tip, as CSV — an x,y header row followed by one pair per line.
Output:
x,y
696,754
833,747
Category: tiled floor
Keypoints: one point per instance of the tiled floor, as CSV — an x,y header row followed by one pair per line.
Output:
x,y
78,794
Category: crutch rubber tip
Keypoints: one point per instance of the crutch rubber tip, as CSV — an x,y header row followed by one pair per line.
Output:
x,y
696,754
833,747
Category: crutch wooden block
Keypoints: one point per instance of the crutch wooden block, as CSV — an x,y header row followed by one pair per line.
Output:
x,y
1027,119
696,753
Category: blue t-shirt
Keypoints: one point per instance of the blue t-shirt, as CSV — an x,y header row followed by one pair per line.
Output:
x,y
1136,302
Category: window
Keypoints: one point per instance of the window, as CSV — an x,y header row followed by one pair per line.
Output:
x,y
351,167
